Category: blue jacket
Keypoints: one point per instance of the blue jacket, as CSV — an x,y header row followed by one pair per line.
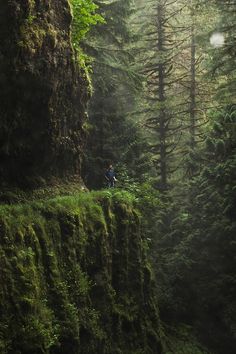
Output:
x,y
110,174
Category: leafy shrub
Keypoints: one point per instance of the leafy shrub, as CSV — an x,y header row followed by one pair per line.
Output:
x,y
84,17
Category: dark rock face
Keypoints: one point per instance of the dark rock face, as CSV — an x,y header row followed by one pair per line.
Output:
x,y
43,93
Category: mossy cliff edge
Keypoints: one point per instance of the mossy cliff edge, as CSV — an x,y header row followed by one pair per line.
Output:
x,y
43,93
75,279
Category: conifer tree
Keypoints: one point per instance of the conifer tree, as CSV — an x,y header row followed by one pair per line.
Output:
x,y
158,69
113,135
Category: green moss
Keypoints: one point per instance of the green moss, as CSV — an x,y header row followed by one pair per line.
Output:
x,y
74,279
32,35
34,31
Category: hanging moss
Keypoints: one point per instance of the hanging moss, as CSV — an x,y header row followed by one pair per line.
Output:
x,y
32,36
73,277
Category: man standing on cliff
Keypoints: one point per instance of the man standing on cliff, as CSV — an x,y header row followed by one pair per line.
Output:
x,y
110,177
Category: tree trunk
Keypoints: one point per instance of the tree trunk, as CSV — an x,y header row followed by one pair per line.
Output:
x,y
192,107
162,98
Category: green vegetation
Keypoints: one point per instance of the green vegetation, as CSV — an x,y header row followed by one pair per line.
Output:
x,y
171,137
32,36
114,135
84,17
74,276
90,272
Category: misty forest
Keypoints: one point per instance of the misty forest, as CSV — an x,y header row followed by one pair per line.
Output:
x,y
118,177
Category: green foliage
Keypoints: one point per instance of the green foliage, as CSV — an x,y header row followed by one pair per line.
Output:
x,y
74,267
114,135
84,17
194,241
73,274
189,230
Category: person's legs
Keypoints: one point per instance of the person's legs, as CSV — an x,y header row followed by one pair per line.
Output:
x,y
111,183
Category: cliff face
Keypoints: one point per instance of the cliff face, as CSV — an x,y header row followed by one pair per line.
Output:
x,y
75,279
73,272
42,92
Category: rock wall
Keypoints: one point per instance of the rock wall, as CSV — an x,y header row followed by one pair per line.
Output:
x,y
43,93
75,279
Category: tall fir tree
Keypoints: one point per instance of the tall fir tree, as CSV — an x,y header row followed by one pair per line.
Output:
x,y
113,136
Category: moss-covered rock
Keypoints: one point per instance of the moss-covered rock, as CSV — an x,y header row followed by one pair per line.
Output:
x,y
43,93
75,279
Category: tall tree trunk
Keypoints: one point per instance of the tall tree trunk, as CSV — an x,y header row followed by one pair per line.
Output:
x,y
161,94
192,107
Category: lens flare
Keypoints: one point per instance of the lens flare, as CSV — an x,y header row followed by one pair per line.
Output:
x,y
217,40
